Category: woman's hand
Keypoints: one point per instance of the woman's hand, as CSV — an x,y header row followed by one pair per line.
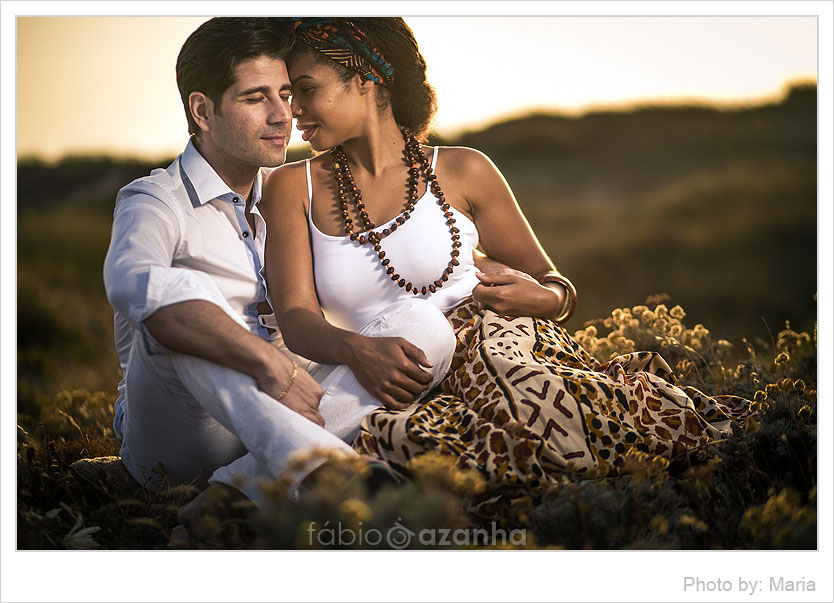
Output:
x,y
515,293
389,368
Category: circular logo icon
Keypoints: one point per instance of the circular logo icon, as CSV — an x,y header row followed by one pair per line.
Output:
x,y
399,536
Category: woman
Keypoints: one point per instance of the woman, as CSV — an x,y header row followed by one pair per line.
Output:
x,y
381,219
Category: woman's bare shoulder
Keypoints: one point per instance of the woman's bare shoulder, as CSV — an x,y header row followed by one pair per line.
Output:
x,y
287,173
464,158
286,184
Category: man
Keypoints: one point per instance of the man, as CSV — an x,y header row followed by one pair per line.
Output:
x,y
207,394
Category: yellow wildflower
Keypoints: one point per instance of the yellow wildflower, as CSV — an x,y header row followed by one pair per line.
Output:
x,y
693,522
659,524
660,325
355,509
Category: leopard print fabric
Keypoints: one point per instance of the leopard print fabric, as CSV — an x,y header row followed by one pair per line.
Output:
x,y
525,404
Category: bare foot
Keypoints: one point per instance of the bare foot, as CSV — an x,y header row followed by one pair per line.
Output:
x,y
200,518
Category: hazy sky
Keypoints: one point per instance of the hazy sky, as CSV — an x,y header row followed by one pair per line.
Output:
x,y
92,84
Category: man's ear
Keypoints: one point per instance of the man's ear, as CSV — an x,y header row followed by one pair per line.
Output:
x,y
201,107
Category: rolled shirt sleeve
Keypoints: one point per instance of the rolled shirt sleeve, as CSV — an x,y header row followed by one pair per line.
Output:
x,y
138,274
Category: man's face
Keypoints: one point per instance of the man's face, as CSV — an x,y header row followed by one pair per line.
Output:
x,y
252,128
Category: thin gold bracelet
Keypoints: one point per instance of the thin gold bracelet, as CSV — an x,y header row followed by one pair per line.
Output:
x,y
569,306
290,382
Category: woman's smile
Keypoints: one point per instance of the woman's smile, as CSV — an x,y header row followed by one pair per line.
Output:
x,y
307,131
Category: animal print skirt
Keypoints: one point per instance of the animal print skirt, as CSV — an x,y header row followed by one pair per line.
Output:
x,y
525,404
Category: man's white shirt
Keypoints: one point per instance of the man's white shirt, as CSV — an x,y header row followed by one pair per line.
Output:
x,y
181,234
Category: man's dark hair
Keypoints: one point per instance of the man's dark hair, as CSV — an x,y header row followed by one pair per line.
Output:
x,y
208,59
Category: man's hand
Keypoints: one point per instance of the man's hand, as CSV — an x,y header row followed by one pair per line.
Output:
x,y
389,368
200,328
513,293
303,395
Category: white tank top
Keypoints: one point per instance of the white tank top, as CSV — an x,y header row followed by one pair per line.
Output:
x,y
353,287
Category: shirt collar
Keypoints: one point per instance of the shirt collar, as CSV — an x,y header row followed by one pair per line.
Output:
x,y
205,181
257,187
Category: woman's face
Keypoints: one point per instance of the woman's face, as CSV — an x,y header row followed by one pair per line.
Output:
x,y
328,110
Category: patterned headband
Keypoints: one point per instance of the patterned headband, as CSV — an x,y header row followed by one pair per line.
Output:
x,y
349,47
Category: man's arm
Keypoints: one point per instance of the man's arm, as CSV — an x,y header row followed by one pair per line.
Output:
x,y
511,291
177,305
486,264
200,328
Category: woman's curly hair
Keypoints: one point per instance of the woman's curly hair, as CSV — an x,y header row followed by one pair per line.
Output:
x,y
411,97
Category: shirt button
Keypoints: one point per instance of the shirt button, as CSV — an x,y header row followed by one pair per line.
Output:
x,y
236,200
245,234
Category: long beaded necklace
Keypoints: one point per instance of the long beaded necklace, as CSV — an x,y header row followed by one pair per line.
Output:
x,y
417,162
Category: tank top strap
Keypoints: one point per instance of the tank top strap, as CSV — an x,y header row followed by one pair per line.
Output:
x,y
434,157
309,182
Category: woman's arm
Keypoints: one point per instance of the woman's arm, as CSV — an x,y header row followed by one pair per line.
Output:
x,y
506,238
388,367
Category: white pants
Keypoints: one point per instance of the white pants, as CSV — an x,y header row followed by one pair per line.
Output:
x,y
203,422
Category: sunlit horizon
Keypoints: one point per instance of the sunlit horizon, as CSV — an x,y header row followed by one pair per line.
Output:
x,y
108,94
454,132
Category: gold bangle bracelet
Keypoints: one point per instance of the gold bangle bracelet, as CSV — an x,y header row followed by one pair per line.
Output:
x,y
569,306
290,382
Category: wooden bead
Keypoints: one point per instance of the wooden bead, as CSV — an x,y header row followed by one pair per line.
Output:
x,y
417,163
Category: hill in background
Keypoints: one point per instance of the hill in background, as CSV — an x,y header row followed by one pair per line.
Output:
x,y
717,208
